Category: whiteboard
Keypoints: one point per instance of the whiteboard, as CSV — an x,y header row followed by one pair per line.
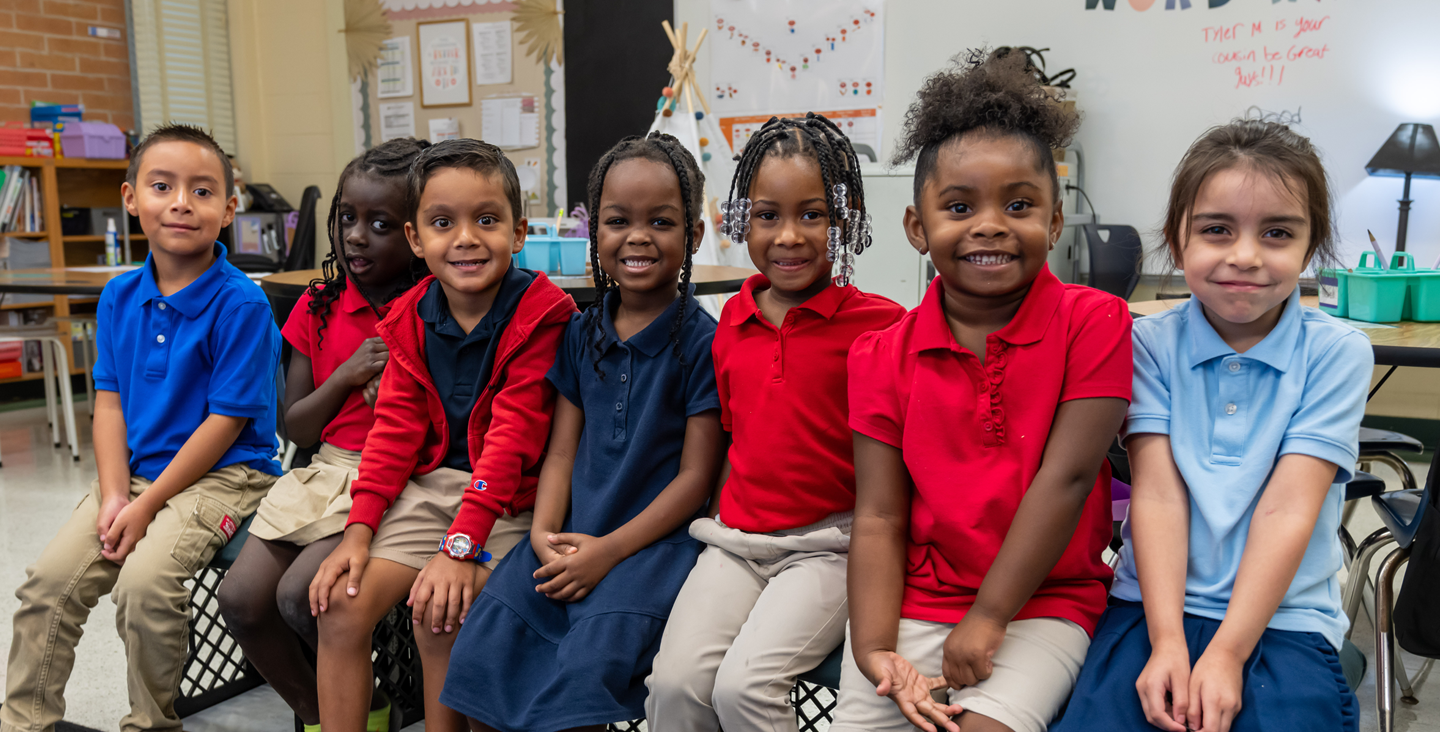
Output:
x,y
1151,80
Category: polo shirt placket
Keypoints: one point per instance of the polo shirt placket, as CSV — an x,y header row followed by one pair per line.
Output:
x,y
1231,422
160,319
622,392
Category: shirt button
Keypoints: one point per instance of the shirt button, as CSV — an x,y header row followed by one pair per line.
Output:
x,y
1234,365
618,406
159,339
162,306
1230,408
989,426
624,378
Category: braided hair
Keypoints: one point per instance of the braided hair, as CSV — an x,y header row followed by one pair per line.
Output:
x,y
815,137
666,150
390,160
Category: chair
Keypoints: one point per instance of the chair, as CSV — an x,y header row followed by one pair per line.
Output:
x,y
302,250
1380,446
1114,258
1404,514
56,378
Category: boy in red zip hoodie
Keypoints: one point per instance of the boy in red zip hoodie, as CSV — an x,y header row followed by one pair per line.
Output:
x,y
448,473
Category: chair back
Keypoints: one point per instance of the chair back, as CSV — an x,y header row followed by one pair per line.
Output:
x,y
1417,608
1114,258
302,250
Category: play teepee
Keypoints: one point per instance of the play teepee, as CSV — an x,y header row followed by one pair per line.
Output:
x,y
700,133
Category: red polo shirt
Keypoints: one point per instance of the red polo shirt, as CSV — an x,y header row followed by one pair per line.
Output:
x,y
973,436
349,322
782,397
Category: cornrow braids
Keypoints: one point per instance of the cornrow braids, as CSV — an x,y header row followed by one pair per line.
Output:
x,y
389,160
819,139
666,150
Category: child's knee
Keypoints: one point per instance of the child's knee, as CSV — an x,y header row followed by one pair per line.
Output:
x,y
737,687
677,679
242,607
346,619
292,598
144,590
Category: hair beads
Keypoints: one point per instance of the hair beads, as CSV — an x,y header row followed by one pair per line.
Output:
x,y
735,220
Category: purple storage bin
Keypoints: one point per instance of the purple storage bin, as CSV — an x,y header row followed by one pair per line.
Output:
x,y
100,140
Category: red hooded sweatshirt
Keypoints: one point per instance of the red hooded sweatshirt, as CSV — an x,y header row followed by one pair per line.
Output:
x,y
509,428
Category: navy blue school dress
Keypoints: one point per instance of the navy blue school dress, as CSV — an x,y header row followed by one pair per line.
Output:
x,y
525,663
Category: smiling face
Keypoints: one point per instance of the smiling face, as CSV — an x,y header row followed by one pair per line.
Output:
x,y
180,199
1247,243
465,232
987,217
641,239
788,223
372,240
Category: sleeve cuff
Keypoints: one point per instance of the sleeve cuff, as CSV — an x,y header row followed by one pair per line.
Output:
x,y
1144,426
475,522
103,383
367,508
1098,391
564,390
239,410
703,405
1342,456
883,433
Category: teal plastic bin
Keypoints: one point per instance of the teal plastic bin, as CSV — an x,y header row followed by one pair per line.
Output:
x,y
1334,285
1424,303
1381,297
572,251
551,253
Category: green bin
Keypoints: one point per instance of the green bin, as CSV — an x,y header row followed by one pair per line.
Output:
x,y
1381,297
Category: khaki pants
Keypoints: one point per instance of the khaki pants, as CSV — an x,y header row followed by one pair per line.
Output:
x,y
151,600
757,611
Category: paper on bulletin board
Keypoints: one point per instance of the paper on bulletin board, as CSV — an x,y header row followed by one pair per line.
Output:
x,y
396,70
769,55
862,126
397,119
444,63
510,122
492,52
444,128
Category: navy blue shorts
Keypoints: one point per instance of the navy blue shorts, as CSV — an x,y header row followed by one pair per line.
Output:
x,y
1292,681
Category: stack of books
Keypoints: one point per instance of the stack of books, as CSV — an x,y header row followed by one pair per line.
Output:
x,y
20,206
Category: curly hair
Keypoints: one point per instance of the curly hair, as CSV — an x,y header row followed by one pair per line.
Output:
x,y
666,150
389,160
987,92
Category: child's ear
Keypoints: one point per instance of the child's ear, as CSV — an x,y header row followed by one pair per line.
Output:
x,y
230,207
127,194
1177,255
697,236
1057,225
412,237
915,230
522,227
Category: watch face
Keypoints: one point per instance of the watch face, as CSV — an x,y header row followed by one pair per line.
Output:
x,y
460,545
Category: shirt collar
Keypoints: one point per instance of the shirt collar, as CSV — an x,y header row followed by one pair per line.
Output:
x,y
1028,325
1275,350
351,299
653,338
825,303
434,310
193,298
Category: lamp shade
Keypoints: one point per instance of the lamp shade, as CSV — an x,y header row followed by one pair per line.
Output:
x,y
1412,149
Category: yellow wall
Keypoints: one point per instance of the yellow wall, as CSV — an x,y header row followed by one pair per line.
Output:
x,y
292,98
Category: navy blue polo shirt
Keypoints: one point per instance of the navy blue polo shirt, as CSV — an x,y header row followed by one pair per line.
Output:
x,y
211,348
460,363
635,416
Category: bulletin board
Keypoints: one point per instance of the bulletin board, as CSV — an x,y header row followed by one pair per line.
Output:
x,y
493,76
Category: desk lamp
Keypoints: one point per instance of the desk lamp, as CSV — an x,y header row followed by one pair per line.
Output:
x,y
1412,151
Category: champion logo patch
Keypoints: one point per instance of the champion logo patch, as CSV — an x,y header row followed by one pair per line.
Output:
x,y
479,485
228,528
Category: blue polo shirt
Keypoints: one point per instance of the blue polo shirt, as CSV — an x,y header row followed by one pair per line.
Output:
x,y
1300,390
211,348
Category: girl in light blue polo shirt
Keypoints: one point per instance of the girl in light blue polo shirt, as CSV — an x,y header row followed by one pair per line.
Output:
x,y
1225,612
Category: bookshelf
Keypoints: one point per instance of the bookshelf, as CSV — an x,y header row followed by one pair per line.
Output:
x,y
72,182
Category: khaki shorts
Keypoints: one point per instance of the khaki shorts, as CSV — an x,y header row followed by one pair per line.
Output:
x,y
308,504
410,532
1035,671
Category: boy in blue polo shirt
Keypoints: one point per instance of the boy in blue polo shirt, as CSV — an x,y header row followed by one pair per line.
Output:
x,y
184,443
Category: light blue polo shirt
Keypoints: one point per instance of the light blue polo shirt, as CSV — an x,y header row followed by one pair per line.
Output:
x,y
211,348
1230,416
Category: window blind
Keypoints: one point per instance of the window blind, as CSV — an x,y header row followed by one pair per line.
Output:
x,y
182,66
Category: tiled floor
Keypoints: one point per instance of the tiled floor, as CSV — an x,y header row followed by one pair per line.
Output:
x,y
39,485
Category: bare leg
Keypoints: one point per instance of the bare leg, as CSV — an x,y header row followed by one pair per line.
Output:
x,y
972,722
344,651
435,659
248,602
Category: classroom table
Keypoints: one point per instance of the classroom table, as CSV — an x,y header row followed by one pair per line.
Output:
x,y
285,288
74,281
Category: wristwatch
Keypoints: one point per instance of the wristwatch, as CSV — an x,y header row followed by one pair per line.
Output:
x,y
462,548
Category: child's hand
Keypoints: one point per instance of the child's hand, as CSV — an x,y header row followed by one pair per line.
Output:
x,y
1166,674
109,509
545,551
969,648
367,361
910,690
126,530
447,587
1215,690
350,557
577,572
372,390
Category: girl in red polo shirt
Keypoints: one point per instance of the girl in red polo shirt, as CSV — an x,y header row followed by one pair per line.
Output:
x,y
329,394
981,423
766,600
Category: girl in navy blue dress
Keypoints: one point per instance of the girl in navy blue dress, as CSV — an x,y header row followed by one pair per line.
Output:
x,y
563,636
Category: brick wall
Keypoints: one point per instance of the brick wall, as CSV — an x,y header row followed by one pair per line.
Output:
x,y
47,54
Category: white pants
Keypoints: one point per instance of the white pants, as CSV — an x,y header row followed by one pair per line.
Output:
x,y
757,611
1035,671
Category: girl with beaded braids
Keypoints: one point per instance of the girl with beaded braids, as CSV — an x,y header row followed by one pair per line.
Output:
x,y
766,600
981,422
335,364
565,630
